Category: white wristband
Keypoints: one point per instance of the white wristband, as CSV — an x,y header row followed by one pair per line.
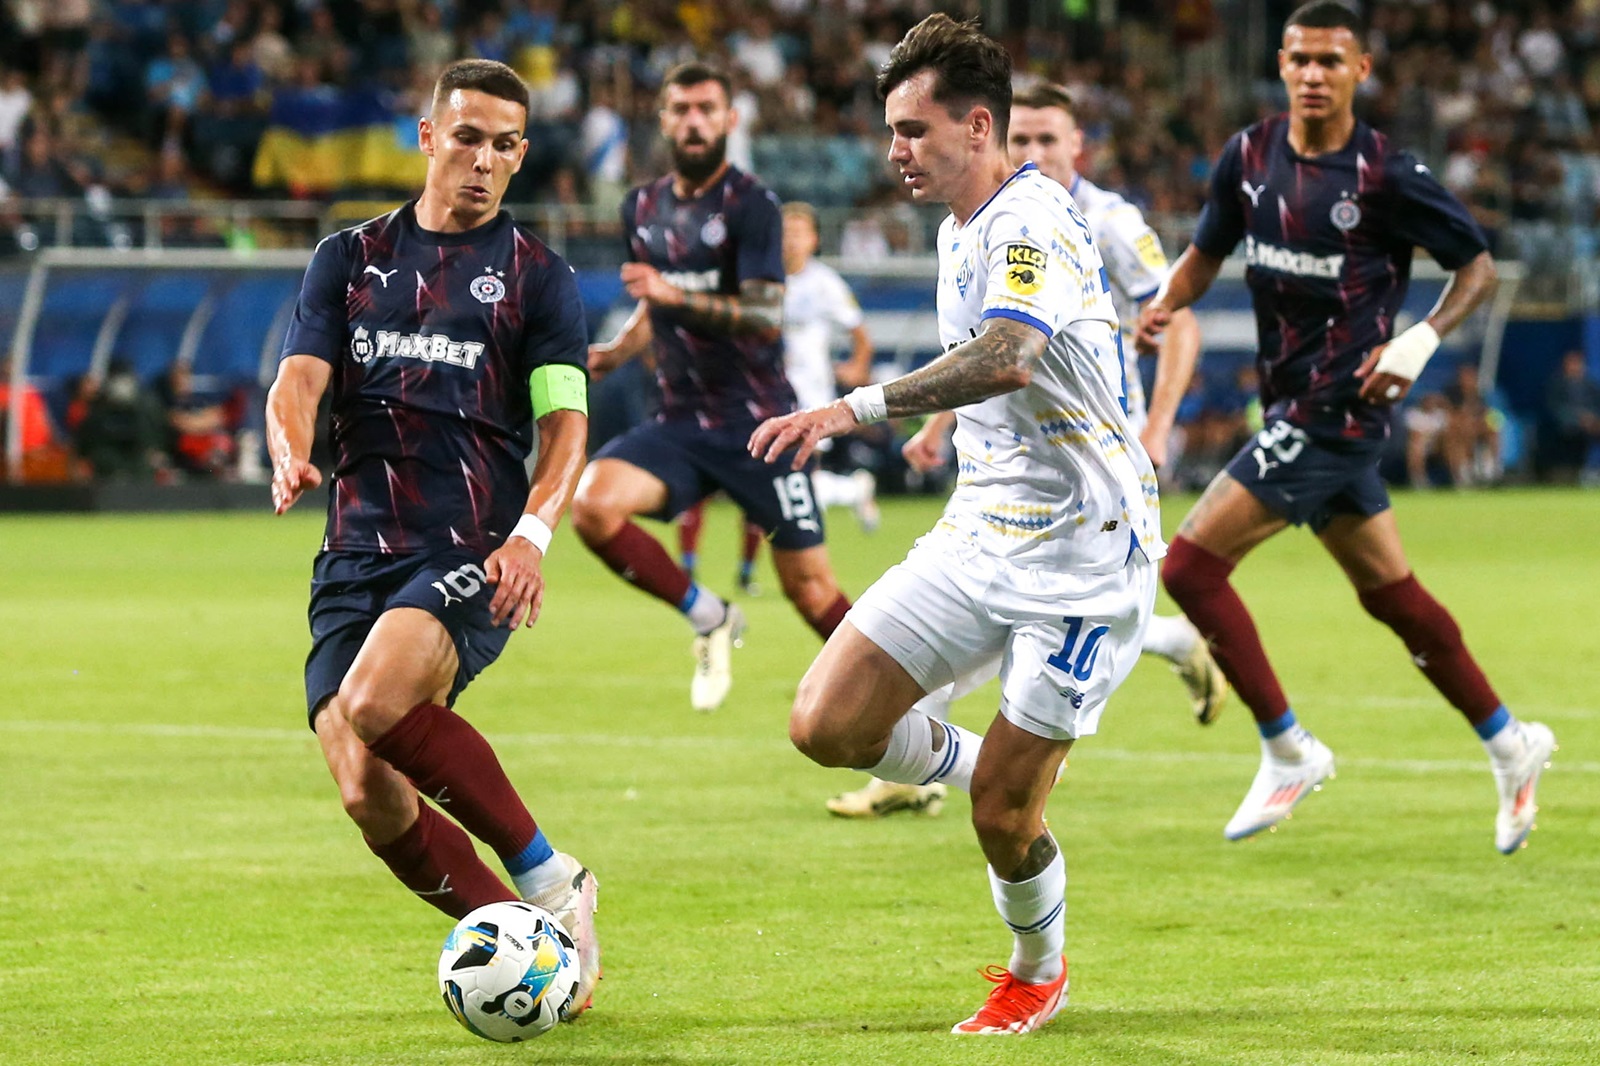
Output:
x,y
1408,353
867,404
530,528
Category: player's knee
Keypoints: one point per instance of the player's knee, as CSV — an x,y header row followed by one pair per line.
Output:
x,y
1414,615
597,513
819,736
367,709
811,593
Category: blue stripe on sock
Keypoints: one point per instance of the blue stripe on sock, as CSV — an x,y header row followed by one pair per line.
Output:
x,y
1041,923
1281,724
952,747
1494,723
538,851
689,598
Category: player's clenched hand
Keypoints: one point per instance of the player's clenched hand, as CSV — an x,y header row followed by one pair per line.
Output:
x,y
291,477
1380,388
1152,322
515,573
603,360
644,282
925,450
802,431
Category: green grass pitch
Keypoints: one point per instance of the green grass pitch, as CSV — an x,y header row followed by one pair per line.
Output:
x,y
179,886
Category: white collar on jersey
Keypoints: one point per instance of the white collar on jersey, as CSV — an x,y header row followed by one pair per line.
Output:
x,y
1023,169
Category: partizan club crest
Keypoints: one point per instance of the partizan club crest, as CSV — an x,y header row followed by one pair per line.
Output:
x,y
714,232
488,288
1345,215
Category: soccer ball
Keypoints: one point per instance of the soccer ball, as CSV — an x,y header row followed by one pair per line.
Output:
x,y
508,971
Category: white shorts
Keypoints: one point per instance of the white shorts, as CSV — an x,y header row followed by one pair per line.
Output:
x,y
1065,641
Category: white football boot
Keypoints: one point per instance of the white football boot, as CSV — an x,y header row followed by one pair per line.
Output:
x,y
713,662
1517,778
866,505
1279,785
1201,675
574,903
877,798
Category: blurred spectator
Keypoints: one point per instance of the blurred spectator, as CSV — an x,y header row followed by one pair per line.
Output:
x,y
199,436
66,37
604,143
758,51
1472,438
269,48
15,100
174,84
1573,401
1427,420
121,432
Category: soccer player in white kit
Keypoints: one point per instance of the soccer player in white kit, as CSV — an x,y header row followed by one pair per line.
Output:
x,y
1045,554
1043,130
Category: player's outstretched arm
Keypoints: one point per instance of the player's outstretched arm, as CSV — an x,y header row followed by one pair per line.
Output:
x,y
1191,276
634,337
1390,369
997,361
757,310
1175,363
292,426
515,568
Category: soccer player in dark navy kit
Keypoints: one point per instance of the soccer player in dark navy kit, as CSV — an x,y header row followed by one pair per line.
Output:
x,y
1329,212
706,244
446,331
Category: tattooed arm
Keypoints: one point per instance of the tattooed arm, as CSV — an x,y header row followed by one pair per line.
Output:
x,y
758,309
997,361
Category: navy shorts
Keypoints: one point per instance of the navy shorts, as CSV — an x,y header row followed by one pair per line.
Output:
x,y
1308,480
349,590
694,463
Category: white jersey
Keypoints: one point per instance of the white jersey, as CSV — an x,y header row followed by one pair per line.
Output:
x,y
1050,475
817,306
1135,264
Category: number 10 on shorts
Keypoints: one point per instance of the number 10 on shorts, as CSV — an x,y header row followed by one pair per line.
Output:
x,y
1077,658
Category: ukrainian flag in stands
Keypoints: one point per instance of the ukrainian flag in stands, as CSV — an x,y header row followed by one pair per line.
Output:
x,y
323,140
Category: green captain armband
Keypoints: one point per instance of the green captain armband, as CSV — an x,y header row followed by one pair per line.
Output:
x,y
559,387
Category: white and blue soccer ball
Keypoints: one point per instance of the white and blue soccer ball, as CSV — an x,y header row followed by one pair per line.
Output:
x,y
508,971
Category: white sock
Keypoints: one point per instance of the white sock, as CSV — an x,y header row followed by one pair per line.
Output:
x,y
912,760
1506,744
1171,636
540,882
1290,744
1036,911
834,490
704,609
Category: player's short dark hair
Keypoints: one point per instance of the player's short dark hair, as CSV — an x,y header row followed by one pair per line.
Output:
x,y
484,76
697,72
1044,95
969,68
1329,15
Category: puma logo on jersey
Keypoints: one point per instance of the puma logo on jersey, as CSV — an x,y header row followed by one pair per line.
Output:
x,y
1254,193
383,275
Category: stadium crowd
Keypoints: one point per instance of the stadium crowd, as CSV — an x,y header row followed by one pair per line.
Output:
x,y
170,100
1503,98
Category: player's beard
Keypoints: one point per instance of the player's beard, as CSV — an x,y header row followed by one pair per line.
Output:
x,y
697,168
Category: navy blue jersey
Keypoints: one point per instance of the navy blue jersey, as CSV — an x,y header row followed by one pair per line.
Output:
x,y
1328,243
432,337
731,233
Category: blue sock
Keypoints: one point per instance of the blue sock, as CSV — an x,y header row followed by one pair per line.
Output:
x,y
1494,723
537,851
689,560
747,569
1281,724
532,870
